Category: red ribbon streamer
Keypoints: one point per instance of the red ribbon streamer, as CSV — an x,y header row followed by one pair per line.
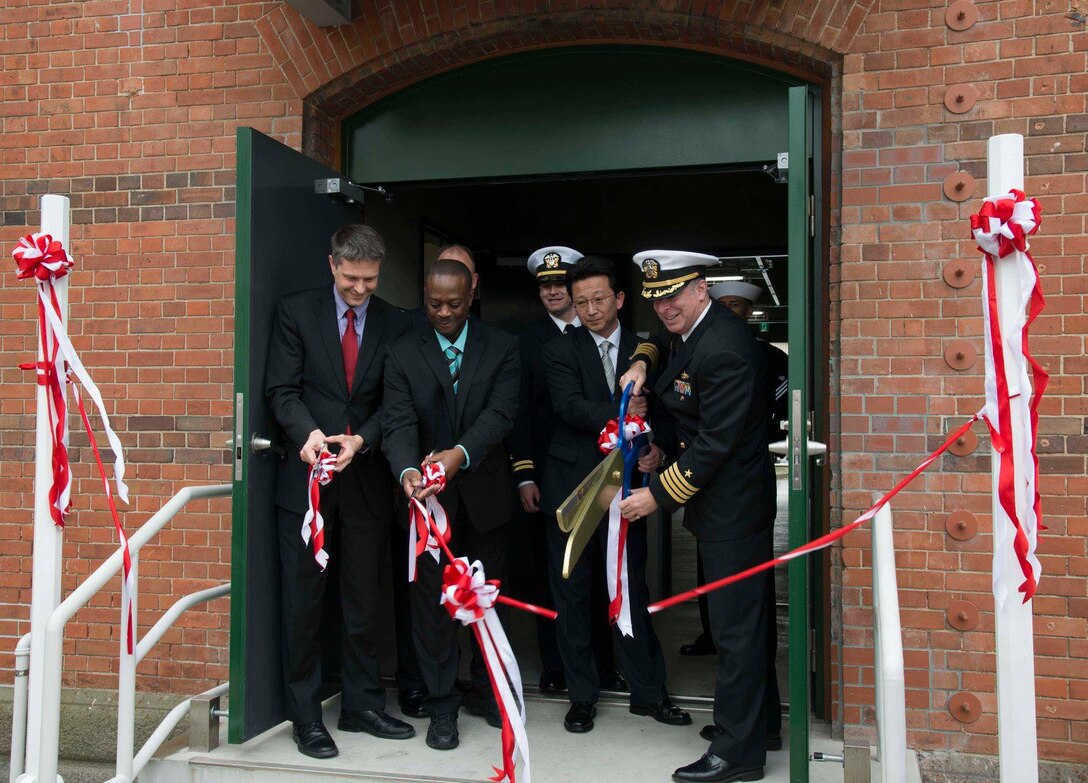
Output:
x,y
313,524
820,543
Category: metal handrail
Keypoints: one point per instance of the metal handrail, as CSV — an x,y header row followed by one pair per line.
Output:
x,y
151,638
49,734
18,709
891,708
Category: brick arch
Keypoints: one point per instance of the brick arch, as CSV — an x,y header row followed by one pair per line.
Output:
x,y
337,71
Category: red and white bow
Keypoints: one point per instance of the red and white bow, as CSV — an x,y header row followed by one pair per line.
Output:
x,y
1002,228
313,524
44,259
619,594
470,598
420,532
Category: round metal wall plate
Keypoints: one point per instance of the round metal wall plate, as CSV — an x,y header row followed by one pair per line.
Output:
x,y
960,354
958,274
961,15
965,707
964,444
962,615
960,98
959,186
961,525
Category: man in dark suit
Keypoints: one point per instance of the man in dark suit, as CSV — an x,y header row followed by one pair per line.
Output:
x,y
582,370
716,386
451,397
326,361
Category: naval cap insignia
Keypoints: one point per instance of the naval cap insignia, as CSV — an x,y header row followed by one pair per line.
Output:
x,y
551,261
650,268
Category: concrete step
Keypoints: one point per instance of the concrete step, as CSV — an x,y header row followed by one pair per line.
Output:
x,y
622,748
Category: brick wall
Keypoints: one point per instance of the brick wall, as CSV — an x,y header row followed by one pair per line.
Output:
x,y
130,107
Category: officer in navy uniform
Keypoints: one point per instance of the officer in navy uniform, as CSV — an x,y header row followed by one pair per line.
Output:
x,y
716,385
528,444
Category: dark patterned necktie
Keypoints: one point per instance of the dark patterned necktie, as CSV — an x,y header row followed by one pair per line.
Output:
x,y
349,347
453,356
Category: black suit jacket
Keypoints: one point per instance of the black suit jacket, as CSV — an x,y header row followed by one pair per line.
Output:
x,y
306,389
583,406
716,386
532,431
422,414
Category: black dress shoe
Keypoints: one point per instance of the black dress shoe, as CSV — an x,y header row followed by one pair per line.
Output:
x,y
375,722
663,712
552,681
711,769
442,733
411,702
612,681
713,731
701,646
313,740
580,717
483,706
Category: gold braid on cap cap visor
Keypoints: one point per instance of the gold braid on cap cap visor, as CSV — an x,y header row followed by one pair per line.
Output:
x,y
548,274
657,290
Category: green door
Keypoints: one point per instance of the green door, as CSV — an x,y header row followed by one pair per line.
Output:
x,y
281,244
800,242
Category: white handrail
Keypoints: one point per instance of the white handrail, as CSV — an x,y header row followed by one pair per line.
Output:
x,y
49,735
891,708
20,691
151,638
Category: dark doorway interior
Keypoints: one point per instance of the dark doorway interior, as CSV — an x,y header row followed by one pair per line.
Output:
x,y
736,213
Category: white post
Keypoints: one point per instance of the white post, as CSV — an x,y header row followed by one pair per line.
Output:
x,y
126,682
48,538
1016,732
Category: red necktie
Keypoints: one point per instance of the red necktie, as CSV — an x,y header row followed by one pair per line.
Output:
x,y
349,347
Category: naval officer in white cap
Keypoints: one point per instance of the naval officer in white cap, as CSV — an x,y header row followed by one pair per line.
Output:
x,y
714,381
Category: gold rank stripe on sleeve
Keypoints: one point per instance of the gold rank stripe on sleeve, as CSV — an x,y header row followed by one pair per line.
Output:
x,y
523,464
676,485
647,352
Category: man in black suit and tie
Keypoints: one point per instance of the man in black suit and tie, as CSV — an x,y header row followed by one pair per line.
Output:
x,y
326,360
582,370
716,386
451,397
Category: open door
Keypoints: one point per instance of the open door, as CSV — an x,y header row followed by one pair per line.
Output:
x,y
801,231
282,236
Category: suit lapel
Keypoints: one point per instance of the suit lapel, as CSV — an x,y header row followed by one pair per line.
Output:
x,y
325,318
683,350
372,333
475,346
628,343
436,360
590,356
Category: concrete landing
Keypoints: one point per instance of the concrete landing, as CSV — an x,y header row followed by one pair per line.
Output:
x,y
623,748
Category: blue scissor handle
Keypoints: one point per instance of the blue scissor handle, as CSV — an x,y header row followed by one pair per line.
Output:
x,y
625,398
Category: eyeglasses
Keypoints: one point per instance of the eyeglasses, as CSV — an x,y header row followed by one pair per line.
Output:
x,y
598,302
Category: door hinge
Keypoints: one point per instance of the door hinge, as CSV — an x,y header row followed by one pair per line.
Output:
x,y
811,215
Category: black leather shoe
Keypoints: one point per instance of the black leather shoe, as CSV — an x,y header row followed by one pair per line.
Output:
x,y
701,646
483,706
711,769
411,702
442,733
580,717
663,712
713,731
552,681
313,740
375,722
612,681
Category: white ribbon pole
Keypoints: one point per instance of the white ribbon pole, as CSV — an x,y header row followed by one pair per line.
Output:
x,y
47,565
1018,753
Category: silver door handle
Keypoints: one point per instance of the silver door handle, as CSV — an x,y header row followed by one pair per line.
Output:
x,y
258,444
782,447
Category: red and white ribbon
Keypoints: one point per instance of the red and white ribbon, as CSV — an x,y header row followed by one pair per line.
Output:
x,y
45,260
619,606
823,542
470,598
1002,228
313,524
421,537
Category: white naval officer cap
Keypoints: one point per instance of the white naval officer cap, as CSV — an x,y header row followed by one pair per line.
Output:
x,y
552,263
735,288
665,272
